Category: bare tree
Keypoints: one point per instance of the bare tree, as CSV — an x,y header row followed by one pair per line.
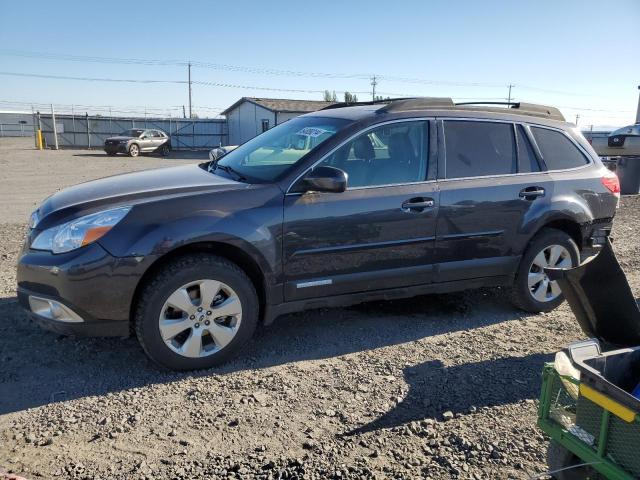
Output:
x,y
350,98
330,96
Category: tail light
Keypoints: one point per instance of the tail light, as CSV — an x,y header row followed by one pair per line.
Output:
x,y
611,182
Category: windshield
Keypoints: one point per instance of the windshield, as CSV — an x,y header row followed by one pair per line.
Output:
x,y
133,132
270,154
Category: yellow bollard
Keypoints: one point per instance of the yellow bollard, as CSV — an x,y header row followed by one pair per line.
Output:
x,y
39,139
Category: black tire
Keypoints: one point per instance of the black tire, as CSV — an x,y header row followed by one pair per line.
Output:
x,y
180,272
560,460
165,150
134,150
521,294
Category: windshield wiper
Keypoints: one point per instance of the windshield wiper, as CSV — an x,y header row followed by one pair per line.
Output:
x,y
226,168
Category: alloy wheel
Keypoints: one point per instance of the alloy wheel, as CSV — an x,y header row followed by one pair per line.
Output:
x,y
200,318
543,289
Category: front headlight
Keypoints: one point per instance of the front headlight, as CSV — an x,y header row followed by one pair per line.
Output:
x,y
79,232
123,141
34,219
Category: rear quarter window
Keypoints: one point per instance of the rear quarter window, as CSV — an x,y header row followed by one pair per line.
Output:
x,y
558,152
475,149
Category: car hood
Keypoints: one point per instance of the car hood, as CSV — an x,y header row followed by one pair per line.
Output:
x,y
130,189
120,138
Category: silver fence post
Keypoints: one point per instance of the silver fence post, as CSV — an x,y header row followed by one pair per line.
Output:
x,y
73,124
35,131
1,132
86,116
170,130
55,128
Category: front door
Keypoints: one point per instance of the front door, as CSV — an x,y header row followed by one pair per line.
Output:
x,y
146,141
380,232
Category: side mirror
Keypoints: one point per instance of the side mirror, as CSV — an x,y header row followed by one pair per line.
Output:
x,y
325,179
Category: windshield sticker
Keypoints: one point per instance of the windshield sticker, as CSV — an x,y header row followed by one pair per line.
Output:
x,y
312,132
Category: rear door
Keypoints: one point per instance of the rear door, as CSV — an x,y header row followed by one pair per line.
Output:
x,y
490,181
380,232
158,139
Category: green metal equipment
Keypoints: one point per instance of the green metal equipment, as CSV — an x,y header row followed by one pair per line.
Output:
x,y
591,415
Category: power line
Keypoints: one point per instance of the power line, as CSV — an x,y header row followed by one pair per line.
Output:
x,y
263,70
194,82
89,79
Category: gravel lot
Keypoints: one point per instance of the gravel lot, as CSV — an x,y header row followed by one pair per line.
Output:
x,y
439,386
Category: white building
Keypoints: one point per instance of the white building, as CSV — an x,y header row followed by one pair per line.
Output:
x,y
251,116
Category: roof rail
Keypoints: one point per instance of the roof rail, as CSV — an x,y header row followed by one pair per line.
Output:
x,y
523,108
355,104
445,103
417,103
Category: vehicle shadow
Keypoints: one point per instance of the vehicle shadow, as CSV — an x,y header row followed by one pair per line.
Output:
x,y
39,367
435,389
174,155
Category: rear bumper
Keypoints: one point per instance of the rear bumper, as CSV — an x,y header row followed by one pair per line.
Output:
x,y
595,234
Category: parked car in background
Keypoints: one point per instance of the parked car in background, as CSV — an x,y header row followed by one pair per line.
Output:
x,y
219,152
139,140
340,206
623,142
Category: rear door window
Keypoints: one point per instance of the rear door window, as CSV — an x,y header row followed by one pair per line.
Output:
x,y
558,152
527,161
475,149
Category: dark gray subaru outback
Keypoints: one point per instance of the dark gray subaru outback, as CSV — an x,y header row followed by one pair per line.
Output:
x,y
345,205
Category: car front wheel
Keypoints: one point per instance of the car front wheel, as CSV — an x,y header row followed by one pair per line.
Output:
x,y
197,312
134,150
533,291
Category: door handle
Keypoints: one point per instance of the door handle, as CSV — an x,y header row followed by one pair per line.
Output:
x,y
531,193
417,204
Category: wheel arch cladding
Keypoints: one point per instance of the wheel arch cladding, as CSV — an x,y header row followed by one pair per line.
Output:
x,y
568,226
231,252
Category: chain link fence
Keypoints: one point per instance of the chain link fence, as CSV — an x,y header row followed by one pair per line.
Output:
x,y
87,131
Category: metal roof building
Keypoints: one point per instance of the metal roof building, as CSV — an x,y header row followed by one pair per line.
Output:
x,y
251,116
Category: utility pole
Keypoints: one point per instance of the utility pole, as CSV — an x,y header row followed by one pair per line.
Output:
x,y
190,113
509,97
638,114
577,118
373,88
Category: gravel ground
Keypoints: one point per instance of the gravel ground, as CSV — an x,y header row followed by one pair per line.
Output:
x,y
439,386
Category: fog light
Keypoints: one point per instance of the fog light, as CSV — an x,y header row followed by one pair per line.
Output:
x,y
53,310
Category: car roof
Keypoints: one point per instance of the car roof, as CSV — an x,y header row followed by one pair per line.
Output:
x,y
440,107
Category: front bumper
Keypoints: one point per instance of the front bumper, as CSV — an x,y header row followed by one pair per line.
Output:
x,y
116,148
97,287
102,328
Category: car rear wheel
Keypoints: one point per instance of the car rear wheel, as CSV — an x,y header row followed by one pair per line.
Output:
x,y
197,312
134,150
533,291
